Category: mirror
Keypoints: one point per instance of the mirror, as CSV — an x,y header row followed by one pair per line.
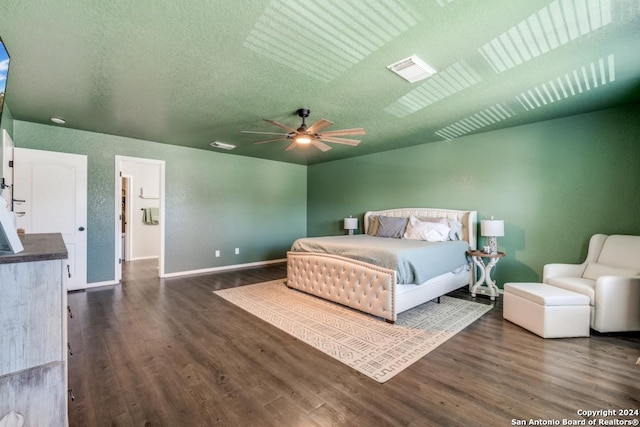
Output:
x,y
4,71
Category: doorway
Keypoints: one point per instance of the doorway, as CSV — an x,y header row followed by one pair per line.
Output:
x,y
139,212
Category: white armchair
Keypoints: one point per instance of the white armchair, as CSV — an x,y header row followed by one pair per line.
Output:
x,y
610,277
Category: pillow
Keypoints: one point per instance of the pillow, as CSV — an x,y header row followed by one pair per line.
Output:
x,y
595,270
431,231
389,226
439,220
372,230
455,232
412,221
456,229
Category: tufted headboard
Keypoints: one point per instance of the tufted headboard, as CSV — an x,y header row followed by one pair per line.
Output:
x,y
468,219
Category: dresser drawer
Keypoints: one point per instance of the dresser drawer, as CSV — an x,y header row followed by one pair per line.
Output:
x,y
33,317
36,395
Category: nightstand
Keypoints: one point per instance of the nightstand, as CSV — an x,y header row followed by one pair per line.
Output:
x,y
485,285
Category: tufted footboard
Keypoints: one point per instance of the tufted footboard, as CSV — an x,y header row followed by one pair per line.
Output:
x,y
356,284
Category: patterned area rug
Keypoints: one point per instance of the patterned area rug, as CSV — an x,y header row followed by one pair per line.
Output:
x,y
368,344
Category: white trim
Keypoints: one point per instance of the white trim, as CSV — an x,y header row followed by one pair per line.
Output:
x,y
224,267
143,257
5,171
129,218
186,273
95,285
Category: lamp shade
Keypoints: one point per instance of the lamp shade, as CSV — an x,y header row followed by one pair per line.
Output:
x,y
351,223
492,228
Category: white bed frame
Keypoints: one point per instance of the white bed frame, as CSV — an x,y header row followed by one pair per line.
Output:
x,y
372,289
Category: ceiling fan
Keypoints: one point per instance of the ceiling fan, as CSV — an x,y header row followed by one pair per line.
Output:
x,y
310,135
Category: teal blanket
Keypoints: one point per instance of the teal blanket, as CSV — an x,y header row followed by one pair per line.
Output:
x,y
415,261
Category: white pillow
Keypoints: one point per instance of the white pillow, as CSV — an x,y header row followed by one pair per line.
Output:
x,y
456,229
426,230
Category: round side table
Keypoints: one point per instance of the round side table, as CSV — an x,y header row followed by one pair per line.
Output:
x,y
485,285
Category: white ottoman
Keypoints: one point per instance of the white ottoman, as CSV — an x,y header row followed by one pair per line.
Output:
x,y
546,310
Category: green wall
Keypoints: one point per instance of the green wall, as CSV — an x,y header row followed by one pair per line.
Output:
x,y
213,200
554,183
6,121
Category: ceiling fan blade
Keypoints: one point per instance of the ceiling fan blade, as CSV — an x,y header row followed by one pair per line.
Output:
x,y
320,145
280,125
317,126
291,146
344,141
344,132
263,133
271,140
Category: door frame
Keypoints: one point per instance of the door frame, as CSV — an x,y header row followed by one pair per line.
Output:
x,y
6,173
128,218
118,212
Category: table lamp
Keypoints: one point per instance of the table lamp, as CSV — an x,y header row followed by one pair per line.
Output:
x,y
351,224
492,228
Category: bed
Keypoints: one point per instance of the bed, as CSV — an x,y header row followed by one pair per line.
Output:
x,y
375,287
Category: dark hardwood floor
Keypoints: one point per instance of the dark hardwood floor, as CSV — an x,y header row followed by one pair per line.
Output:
x,y
153,352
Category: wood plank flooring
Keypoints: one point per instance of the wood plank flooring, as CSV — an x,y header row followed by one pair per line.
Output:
x,y
168,352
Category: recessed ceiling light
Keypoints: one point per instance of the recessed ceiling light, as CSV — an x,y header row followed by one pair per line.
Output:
x,y
58,120
223,145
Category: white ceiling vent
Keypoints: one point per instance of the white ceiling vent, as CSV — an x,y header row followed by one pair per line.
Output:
x,y
223,145
412,69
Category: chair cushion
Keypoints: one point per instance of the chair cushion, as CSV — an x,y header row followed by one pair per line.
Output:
x,y
621,251
576,284
595,270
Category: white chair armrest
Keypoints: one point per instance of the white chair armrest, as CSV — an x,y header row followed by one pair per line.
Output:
x,y
617,304
562,270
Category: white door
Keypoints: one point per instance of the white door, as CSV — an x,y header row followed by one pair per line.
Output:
x,y
7,176
50,196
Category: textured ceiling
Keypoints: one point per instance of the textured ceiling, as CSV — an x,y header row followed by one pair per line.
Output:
x,y
188,73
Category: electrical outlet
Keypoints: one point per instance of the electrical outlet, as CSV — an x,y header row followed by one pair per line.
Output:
x,y
237,251
217,253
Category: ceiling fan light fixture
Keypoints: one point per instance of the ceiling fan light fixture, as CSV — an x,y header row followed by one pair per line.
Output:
x,y
311,135
412,69
302,139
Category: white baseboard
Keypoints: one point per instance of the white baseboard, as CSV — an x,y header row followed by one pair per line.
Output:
x,y
186,273
141,258
224,267
94,285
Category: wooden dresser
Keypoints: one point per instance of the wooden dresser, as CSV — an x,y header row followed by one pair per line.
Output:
x,y
33,333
